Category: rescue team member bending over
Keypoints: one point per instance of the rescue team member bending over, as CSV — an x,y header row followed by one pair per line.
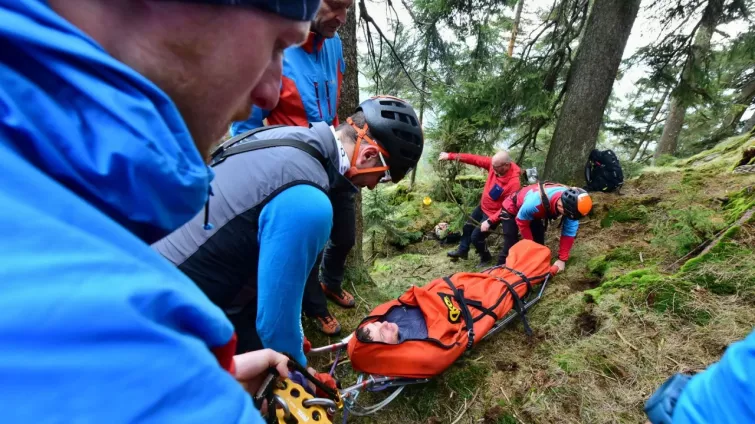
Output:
x,y
503,180
532,207
723,393
271,216
311,92
109,108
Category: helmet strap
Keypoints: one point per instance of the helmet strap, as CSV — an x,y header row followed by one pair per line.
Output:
x,y
362,135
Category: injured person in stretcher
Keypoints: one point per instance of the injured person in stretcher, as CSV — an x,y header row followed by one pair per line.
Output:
x,y
425,330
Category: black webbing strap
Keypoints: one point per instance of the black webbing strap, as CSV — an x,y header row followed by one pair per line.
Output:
x,y
518,306
234,146
521,275
546,205
464,312
266,144
485,311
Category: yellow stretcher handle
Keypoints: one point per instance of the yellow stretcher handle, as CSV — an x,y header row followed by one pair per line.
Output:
x,y
290,399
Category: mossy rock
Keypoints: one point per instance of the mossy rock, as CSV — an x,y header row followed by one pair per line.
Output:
x,y
724,154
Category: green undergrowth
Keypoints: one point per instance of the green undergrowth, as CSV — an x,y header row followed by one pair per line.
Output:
x,y
629,310
629,210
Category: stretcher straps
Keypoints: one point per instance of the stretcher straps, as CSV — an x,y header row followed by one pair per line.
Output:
x,y
479,306
521,275
518,305
464,310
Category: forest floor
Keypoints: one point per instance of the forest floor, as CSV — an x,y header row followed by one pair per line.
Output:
x,y
633,307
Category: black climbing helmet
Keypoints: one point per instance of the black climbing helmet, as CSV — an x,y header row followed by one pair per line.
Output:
x,y
394,125
577,203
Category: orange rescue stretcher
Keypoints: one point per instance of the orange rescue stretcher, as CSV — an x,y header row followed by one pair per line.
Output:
x,y
460,311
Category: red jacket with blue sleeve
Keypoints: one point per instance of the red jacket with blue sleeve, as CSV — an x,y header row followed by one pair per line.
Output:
x,y
310,87
527,205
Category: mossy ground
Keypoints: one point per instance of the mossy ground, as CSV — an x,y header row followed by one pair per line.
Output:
x,y
614,325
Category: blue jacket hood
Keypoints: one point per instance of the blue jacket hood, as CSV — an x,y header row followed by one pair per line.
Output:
x,y
87,120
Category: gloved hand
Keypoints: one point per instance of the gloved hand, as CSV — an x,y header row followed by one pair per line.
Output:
x,y
328,381
307,346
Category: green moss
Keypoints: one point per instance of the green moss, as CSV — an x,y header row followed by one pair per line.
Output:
x,y
721,155
739,203
622,254
641,278
634,213
664,160
471,180
629,210
598,266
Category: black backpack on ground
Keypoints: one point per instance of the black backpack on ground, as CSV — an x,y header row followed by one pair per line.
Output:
x,y
603,172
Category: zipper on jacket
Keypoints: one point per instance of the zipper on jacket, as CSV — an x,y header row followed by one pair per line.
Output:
x,y
317,96
327,96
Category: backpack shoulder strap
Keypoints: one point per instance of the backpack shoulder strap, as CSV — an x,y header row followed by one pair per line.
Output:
x,y
239,137
546,202
232,147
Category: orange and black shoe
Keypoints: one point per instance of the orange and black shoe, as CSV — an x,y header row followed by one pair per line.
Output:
x,y
344,300
328,324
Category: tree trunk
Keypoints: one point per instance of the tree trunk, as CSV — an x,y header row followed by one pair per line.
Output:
x,y
515,28
588,88
356,270
678,106
421,102
650,125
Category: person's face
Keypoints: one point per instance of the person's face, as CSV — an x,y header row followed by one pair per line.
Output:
x,y
560,206
368,157
330,17
386,332
501,168
220,62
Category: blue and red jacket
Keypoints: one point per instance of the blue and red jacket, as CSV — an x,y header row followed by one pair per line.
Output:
x,y
310,87
527,205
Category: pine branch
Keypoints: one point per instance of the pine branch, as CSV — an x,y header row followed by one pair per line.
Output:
x,y
369,20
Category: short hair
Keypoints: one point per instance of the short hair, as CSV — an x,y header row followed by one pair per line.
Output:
x,y
349,132
363,335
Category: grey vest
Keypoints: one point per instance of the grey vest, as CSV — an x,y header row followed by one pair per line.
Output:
x,y
223,261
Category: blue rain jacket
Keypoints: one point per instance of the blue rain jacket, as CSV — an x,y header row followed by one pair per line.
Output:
x,y
96,162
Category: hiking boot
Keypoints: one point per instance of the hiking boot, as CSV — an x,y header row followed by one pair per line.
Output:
x,y
344,300
328,324
456,254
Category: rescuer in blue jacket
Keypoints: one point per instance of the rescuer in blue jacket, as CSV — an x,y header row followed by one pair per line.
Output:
x,y
724,393
107,111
